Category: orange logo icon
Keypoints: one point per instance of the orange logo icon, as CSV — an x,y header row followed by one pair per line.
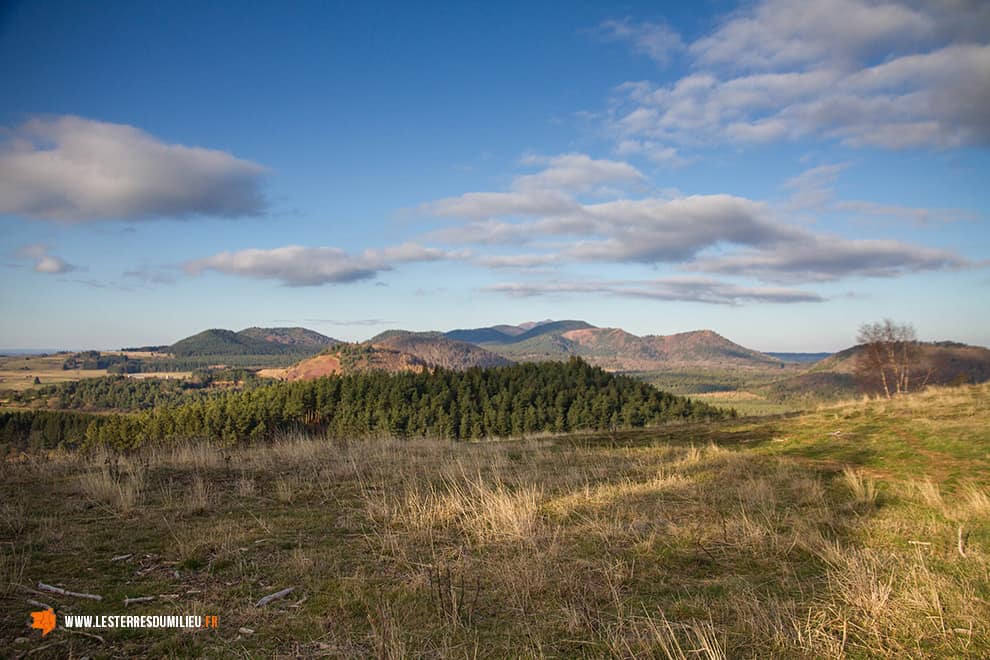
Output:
x,y
43,621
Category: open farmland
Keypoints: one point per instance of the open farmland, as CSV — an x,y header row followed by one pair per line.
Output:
x,y
19,371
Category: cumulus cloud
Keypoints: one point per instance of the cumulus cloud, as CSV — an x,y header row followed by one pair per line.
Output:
x,y
721,233
893,75
576,172
71,169
544,193
44,261
296,265
683,289
650,230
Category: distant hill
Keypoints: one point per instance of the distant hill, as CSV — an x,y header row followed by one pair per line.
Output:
x,y
251,341
493,335
347,359
437,350
939,363
618,350
299,337
392,351
506,334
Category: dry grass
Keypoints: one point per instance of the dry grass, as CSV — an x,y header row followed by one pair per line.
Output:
x,y
119,484
862,487
694,542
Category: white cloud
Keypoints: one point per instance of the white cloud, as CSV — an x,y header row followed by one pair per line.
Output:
x,y
296,265
685,289
658,41
576,172
44,261
775,33
813,188
893,75
519,260
915,215
482,205
703,233
828,258
72,169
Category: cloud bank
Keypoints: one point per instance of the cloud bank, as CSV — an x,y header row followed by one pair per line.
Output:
x,y
70,169
296,265
893,75
553,228
680,289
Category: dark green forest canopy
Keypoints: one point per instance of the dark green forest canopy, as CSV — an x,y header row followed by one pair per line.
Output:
x,y
477,403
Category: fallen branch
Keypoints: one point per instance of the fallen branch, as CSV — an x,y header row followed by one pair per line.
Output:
x,y
139,599
275,596
41,648
962,542
38,603
121,557
63,592
86,634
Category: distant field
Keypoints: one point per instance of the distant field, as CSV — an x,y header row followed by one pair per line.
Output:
x,y
857,530
745,403
18,372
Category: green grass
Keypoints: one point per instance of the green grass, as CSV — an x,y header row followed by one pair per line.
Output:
x,y
827,534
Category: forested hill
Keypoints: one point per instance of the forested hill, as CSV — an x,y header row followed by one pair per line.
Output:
x,y
252,341
477,403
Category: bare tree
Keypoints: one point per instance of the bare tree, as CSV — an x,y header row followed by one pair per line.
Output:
x,y
889,352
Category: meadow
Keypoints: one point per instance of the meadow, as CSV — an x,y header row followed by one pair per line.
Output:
x,y
18,372
860,529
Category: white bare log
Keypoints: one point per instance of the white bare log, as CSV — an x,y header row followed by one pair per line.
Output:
x,y
64,592
275,596
139,599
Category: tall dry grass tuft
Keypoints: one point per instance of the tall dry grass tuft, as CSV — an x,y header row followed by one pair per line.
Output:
x,y
199,495
286,488
862,487
120,487
974,504
655,636
928,493
486,511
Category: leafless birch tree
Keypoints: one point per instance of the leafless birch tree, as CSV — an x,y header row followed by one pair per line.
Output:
x,y
890,351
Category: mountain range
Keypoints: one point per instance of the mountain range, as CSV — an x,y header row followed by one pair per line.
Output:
x,y
781,375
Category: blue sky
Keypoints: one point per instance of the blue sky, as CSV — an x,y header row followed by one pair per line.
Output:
x,y
778,171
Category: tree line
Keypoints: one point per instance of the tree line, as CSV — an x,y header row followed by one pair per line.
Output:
x,y
130,394
472,404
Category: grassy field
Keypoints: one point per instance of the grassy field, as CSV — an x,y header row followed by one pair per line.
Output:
x,y
17,372
857,530
745,403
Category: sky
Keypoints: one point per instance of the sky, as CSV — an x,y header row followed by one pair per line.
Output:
x,y
778,171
